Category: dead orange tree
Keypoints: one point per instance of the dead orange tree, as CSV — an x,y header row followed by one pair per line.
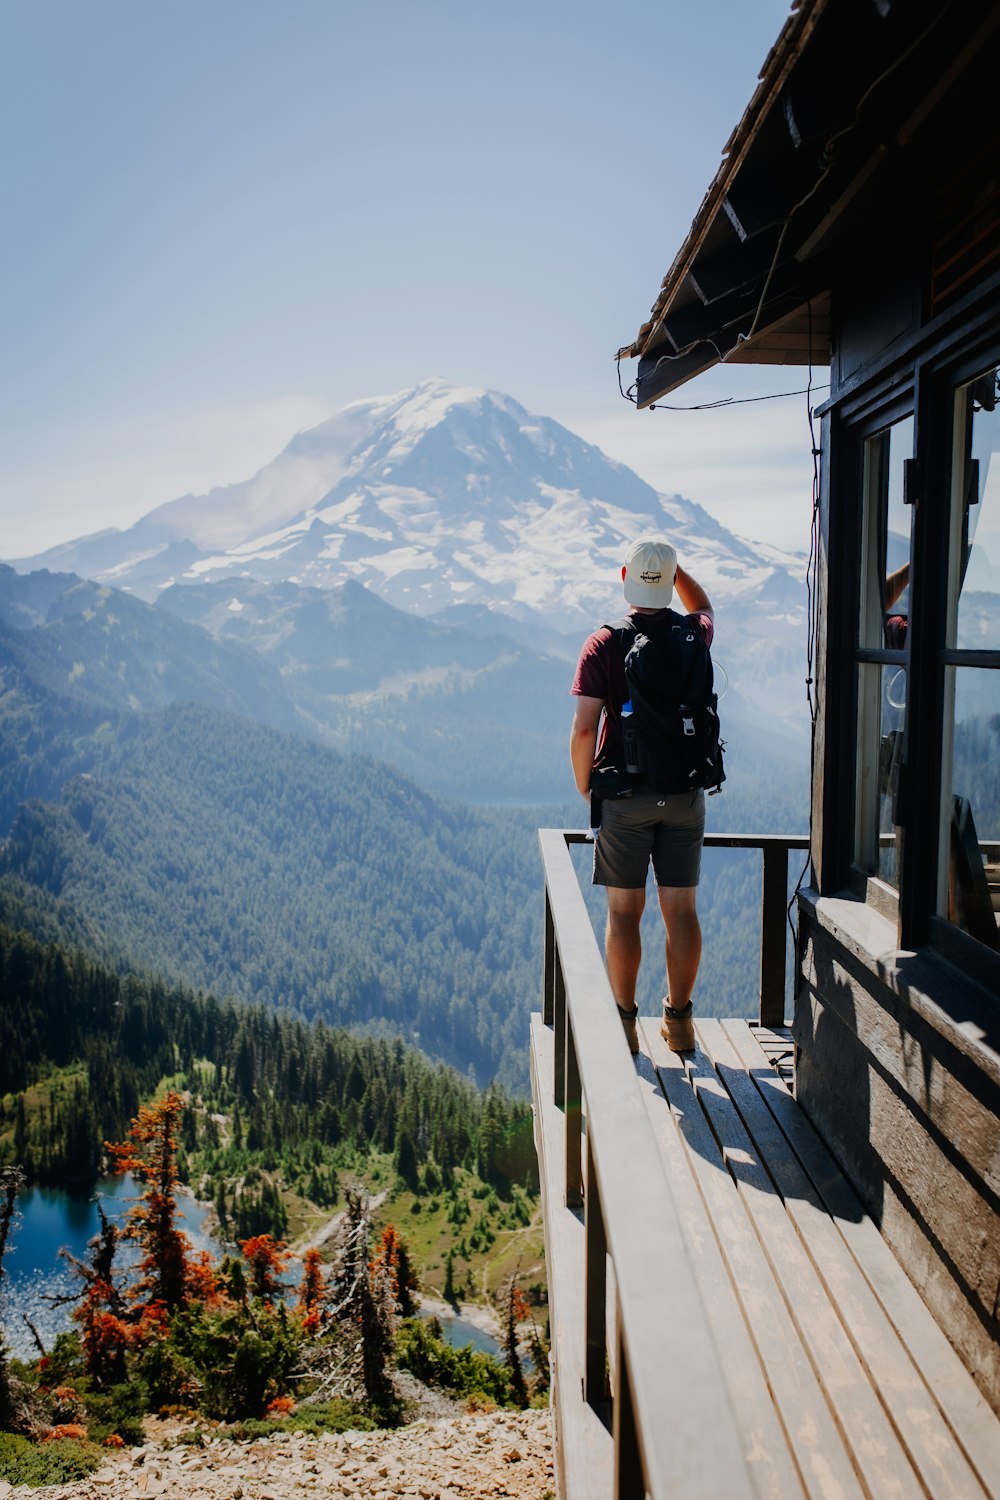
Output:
x,y
267,1259
150,1154
312,1291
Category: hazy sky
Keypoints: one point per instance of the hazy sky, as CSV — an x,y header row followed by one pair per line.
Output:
x,y
224,219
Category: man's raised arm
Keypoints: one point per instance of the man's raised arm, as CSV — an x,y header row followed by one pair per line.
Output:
x,y
691,594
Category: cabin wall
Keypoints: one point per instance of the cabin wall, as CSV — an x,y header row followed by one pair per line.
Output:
x,y
898,1060
895,1069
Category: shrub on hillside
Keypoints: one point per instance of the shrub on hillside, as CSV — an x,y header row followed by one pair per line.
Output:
x,y
466,1372
61,1461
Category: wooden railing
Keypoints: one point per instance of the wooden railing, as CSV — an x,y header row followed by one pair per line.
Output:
x,y
659,1386
773,911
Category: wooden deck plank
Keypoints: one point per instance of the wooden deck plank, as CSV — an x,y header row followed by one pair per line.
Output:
x,y
583,1446
965,1411
936,1457
765,1445
812,1434
806,1418
875,1449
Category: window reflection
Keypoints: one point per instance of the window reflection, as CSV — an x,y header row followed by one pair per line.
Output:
x,y
974,841
885,594
970,814
883,695
976,553
883,626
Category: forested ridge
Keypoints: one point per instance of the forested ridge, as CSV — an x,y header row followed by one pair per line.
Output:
x,y
220,853
81,1047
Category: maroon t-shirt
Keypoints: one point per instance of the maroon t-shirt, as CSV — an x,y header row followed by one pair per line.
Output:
x,y
600,673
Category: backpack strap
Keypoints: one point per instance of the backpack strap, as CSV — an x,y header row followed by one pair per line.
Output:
x,y
628,627
623,632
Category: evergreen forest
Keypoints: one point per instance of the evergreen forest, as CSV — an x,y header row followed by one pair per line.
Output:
x,y
264,1096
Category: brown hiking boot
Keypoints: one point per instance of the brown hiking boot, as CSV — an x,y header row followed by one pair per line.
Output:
x,y
677,1029
630,1019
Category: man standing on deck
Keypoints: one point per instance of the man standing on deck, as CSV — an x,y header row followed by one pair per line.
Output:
x,y
667,828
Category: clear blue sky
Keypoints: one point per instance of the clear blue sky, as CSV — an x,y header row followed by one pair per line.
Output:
x,y
223,219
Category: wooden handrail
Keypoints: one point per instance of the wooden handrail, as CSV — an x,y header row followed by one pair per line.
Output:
x,y
773,908
674,1433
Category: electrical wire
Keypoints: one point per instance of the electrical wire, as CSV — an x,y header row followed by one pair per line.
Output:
x,y
630,394
732,401
723,401
812,610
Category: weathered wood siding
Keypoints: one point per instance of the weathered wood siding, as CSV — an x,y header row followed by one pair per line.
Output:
x,y
905,1089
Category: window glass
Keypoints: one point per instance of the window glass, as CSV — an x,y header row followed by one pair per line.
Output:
x,y
968,886
885,593
882,626
975,616
883,706
973,804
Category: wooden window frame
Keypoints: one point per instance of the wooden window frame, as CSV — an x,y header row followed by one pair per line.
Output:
x,y
923,379
872,887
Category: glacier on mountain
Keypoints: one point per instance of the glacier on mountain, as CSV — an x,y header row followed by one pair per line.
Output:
x,y
434,498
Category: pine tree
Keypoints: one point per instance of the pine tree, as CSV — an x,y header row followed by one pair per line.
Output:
x,y
406,1159
406,1280
450,1295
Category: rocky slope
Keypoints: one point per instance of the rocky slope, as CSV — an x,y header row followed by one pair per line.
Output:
x,y
469,1457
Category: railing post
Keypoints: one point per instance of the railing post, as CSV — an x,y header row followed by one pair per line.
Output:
x,y
774,903
548,965
573,1122
595,1293
558,1025
629,1484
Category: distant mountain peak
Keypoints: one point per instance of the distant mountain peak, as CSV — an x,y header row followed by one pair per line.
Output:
x,y
438,497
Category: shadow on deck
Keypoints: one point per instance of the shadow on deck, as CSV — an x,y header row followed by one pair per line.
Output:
x,y
726,1319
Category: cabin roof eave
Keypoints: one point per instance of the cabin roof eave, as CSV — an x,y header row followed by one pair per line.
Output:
x,y
841,93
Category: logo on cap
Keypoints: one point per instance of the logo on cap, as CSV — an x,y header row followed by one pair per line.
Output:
x,y
650,577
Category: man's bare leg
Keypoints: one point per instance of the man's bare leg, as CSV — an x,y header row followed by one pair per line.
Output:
x,y
623,950
622,942
683,943
678,906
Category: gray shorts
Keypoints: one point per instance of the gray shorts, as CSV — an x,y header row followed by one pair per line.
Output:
x,y
667,828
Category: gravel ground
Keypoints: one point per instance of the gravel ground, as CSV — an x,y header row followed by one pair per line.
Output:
x,y
477,1457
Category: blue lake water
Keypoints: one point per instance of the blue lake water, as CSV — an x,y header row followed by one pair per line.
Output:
x,y
49,1219
457,1332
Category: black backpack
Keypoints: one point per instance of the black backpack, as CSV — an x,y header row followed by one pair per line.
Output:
x,y
671,738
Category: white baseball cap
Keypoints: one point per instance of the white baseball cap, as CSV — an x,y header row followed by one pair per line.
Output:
x,y
649,572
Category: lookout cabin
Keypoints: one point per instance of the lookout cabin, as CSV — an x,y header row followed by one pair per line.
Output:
x,y
774,1264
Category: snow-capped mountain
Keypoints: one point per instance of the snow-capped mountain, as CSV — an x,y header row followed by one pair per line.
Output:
x,y
442,498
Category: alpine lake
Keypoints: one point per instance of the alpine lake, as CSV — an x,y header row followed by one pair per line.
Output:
x,y
40,1284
